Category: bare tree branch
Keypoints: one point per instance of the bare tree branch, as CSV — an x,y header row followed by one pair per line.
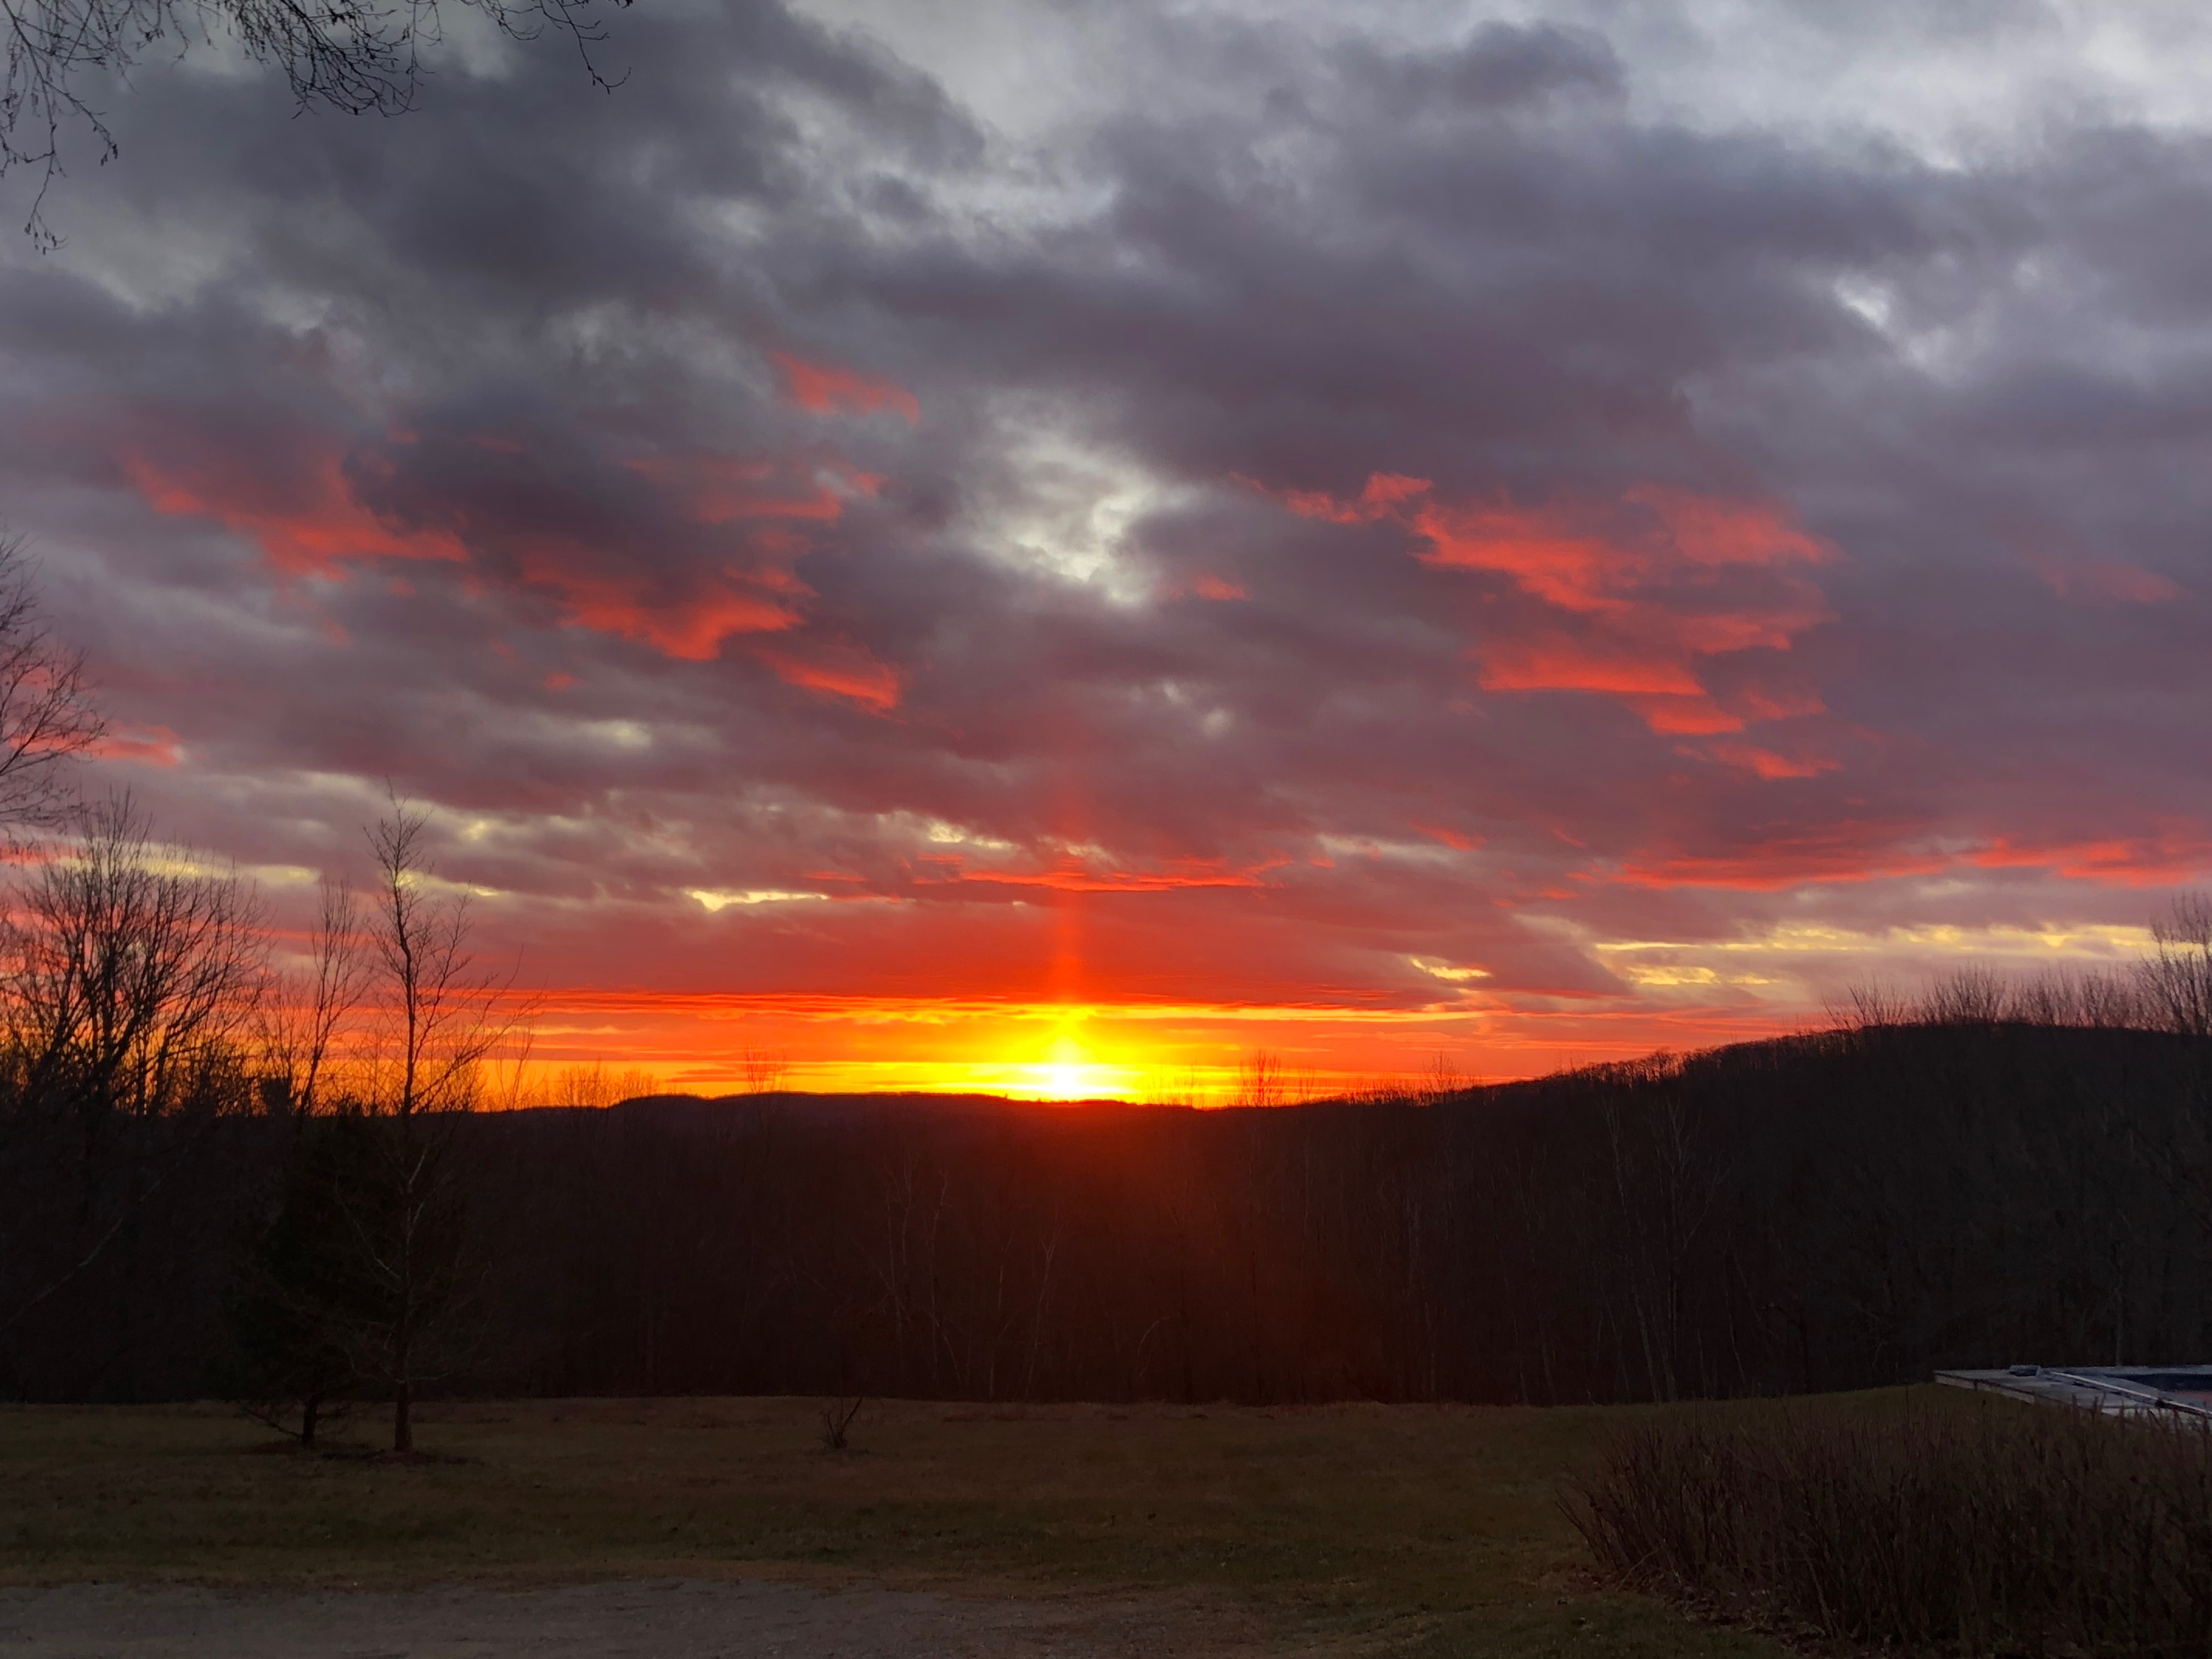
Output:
x,y
359,56
46,715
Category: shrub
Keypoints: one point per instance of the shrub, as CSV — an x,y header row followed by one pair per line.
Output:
x,y
1983,1528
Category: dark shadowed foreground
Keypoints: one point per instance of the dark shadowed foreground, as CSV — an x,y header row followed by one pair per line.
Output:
x,y
679,1619
1989,1526
1078,1530
1845,1210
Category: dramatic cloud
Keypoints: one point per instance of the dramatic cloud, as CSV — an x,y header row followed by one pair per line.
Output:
x,y
940,538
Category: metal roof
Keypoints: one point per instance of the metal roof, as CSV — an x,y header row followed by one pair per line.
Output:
x,y
2116,1390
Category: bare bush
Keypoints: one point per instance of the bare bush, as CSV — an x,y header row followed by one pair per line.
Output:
x,y
1867,1004
2105,998
1967,996
837,1418
1987,1527
2177,978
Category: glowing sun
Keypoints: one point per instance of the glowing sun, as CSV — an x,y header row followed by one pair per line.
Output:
x,y
1068,1072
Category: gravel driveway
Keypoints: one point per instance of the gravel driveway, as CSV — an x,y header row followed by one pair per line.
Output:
x,y
667,1619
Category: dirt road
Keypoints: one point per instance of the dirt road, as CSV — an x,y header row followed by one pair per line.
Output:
x,y
664,1619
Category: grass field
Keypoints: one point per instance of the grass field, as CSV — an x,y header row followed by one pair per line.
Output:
x,y
1402,1530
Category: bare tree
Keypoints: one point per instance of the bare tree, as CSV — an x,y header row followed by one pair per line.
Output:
x,y
582,1085
131,977
765,1070
287,1369
359,56
46,715
308,1010
633,1083
1263,1079
434,1023
288,1366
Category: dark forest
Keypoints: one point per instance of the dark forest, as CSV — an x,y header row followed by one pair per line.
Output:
x,y
1830,1210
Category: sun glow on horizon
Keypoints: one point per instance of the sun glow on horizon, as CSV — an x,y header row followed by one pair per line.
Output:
x,y
1068,1072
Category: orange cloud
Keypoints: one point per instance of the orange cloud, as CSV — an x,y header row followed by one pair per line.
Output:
x,y
822,389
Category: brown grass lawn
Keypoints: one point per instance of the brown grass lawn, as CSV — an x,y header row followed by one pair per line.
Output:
x,y
1412,1530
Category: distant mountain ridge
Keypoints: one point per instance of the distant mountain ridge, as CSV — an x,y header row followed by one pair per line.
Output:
x,y
1830,1210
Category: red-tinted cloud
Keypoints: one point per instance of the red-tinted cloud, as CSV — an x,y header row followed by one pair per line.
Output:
x,y
825,389
689,628
1766,763
153,745
716,489
835,668
305,517
303,506
1632,593
1562,664
1385,496
2179,855
2105,581
1841,852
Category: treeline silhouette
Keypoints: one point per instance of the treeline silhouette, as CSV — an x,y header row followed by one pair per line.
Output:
x,y
1978,1178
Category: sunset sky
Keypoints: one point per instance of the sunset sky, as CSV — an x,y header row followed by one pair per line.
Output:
x,y
1053,547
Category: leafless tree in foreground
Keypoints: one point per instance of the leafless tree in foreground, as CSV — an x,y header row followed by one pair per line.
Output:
x,y
358,57
435,1023
306,1013
46,715
130,977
